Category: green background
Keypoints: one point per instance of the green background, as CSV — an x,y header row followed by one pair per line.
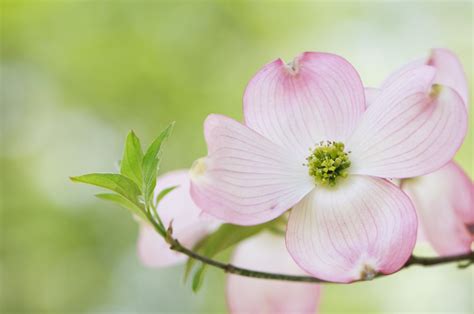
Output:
x,y
77,75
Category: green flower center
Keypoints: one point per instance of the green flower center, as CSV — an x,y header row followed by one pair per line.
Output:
x,y
328,163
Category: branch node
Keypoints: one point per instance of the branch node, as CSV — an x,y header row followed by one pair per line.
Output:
x,y
229,268
169,234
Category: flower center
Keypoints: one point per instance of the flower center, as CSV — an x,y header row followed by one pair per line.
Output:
x,y
328,162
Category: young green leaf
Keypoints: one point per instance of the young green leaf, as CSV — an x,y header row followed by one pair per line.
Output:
x,y
198,278
131,164
151,162
122,201
164,192
114,182
191,261
226,236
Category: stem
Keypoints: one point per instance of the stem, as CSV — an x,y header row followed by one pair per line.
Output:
x,y
231,269
431,261
158,225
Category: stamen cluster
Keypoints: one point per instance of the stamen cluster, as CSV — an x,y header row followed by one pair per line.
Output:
x,y
328,162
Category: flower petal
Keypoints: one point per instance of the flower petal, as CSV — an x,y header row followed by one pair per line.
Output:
x,y
370,95
318,97
411,128
404,71
246,179
154,251
189,225
443,200
267,252
364,227
449,72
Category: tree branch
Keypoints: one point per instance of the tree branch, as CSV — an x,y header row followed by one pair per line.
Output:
x,y
175,245
231,269
431,261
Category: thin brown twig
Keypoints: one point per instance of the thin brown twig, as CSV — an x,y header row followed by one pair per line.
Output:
x,y
231,269
175,245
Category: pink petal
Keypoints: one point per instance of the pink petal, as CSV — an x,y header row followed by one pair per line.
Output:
x,y
361,228
154,251
410,129
267,252
449,72
404,71
444,202
189,225
246,179
318,97
370,95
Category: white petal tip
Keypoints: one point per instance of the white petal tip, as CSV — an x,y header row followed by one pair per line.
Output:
x,y
436,90
367,272
367,268
198,169
293,67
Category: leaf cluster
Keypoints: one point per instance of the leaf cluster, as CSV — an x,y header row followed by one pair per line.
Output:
x,y
134,186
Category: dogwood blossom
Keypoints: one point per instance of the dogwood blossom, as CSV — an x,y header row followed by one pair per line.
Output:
x,y
309,143
443,199
190,224
266,252
444,203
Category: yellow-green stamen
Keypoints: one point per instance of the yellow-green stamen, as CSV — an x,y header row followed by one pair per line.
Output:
x,y
328,163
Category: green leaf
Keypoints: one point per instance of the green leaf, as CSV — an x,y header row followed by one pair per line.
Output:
x,y
226,236
131,164
114,182
122,201
164,192
149,180
223,238
151,162
190,261
198,278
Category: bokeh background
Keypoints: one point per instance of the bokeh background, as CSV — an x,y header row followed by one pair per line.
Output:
x,y
77,75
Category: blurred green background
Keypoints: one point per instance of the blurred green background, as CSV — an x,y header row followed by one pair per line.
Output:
x,y
77,75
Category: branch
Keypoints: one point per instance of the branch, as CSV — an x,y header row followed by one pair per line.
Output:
x,y
231,269
431,261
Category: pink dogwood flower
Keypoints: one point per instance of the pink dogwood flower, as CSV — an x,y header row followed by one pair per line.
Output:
x,y
264,252
267,252
443,199
310,144
444,203
190,224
